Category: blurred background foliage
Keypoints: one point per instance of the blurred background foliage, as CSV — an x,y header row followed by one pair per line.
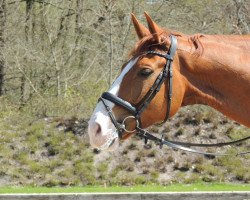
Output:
x,y
61,48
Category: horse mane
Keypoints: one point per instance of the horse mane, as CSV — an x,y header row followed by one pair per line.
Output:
x,y
195,40
149,42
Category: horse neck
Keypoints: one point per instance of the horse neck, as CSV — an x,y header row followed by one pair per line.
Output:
x,y
219,77
241,41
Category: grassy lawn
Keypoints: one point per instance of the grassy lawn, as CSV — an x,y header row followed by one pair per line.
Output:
x,y
139,188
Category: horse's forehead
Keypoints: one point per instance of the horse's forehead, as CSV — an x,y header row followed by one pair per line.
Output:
x,y
114,89
149,60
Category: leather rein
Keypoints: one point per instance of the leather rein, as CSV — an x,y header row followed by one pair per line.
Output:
x,y
136,111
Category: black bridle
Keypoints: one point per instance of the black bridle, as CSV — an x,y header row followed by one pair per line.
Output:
x,y
136,111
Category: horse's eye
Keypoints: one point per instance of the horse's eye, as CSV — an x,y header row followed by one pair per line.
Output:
x,y
146,72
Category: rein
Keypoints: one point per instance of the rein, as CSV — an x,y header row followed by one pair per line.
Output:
x,y
136,111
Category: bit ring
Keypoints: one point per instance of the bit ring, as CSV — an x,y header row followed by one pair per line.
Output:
x,y
124,126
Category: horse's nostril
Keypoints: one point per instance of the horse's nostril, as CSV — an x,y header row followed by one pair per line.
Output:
x,y
98,128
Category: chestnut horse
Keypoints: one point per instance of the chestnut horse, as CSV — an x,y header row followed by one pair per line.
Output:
x,y
207,69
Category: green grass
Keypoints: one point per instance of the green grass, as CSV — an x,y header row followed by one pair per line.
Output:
x,y
138,188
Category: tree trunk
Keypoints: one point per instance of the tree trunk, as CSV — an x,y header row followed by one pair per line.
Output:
x,y
78,17
29,4
2,44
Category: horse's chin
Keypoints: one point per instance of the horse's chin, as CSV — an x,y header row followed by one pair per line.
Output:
x,y
114,145
111,142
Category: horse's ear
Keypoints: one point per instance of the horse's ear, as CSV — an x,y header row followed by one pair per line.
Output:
x,y
154,29
140,29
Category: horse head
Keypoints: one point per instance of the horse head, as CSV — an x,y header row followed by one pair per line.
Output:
x,y
133,86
